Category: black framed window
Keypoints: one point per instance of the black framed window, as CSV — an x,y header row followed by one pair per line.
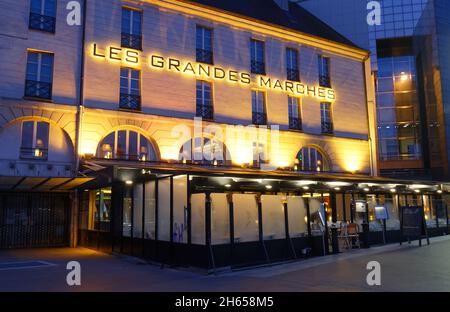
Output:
x,y
326,118
257,57
259,116
295,119
131,29
35,135
292,71
311,159
130,91
39,77
42,15
126,144
204,45
324,71
204,105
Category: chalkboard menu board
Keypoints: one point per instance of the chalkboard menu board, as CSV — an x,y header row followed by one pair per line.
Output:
x,y
413,223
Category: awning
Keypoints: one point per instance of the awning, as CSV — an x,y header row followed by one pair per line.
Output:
x,y
42,184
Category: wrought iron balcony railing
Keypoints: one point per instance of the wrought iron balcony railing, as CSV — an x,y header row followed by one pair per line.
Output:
x,y
205,111
259,118
33,153
258,67
42,22
327,127
324,81
204,56
295,123
293,74
130,101
131,41
38,89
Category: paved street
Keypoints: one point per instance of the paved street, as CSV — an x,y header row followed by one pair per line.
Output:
x,y
403,268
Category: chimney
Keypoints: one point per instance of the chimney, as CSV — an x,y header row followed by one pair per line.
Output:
x,y
284,4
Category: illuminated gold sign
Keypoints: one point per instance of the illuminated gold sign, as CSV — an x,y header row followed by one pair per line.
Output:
x,y
134,58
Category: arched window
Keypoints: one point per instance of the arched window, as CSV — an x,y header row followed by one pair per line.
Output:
x,y
126,144
311,159
204,151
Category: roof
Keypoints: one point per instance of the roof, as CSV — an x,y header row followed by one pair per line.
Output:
x,y
297,18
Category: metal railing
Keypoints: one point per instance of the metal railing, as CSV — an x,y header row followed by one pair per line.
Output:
x,y
295,123
293,74
204,56
130,101
131,41
38,89
258,67
205,111
327,127
259,118
42,22
33,153
324,81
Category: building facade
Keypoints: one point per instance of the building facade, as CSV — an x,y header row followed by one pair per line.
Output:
x,y
193,132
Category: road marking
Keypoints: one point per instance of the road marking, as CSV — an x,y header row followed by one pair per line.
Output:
x,y
24,265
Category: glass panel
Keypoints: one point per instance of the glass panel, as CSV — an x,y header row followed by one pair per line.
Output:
x,y
103,207
106,147
42,135
27,134
273,220
137,210
132,145
121,151
198,218
245,218
127,213
220,219
164,209
317,210
180,209
150,210
297,216
393,223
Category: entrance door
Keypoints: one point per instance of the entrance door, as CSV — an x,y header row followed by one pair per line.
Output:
x,y
34,220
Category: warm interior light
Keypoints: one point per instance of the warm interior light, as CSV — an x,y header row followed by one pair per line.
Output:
x,y
366,189
306,187
227,185
128,182
393,190
268,187
439,191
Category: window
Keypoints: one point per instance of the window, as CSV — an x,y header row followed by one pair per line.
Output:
x,y
126,144
326,117
257,57
34,140
42,15
292,65
130,93
204,151
324,72
204,107
131,29
295,119
259,116
260,155
39,76
310,159
204,50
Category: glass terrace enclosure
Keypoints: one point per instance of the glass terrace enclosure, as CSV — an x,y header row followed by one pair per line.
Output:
x,y
215,220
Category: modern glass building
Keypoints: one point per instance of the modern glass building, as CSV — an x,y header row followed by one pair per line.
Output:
x,y
401,129
205,133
